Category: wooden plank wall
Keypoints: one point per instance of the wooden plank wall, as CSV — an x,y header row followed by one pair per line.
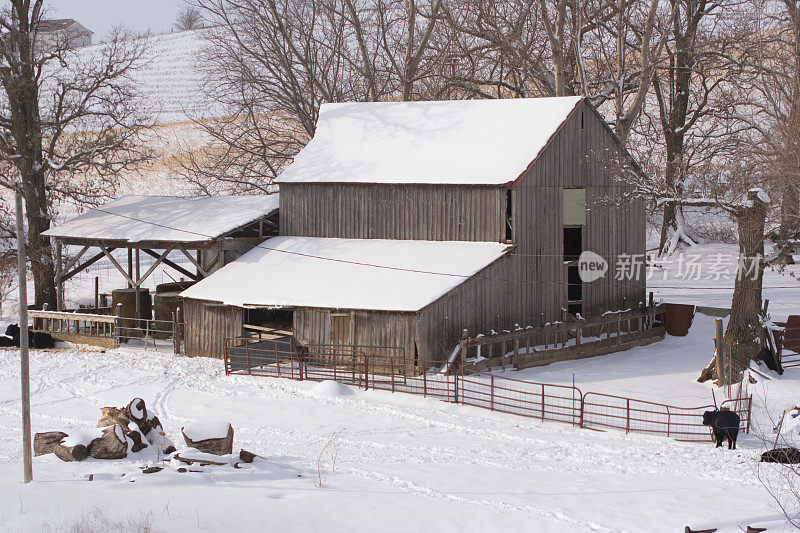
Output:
x,y
368,211
484,302
207,326
370,328
574,158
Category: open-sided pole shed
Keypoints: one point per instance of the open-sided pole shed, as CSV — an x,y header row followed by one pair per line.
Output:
x,y
202,229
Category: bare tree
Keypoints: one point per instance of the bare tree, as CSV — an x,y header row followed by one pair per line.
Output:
x,y
63,116
188,18
272,63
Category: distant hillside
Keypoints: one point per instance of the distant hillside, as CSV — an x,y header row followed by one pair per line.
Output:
x,y
171,76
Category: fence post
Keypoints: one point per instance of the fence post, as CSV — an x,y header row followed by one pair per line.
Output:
x,y
542,401
391,364
226,357
749,411
176,332
627,415
492,393
366,372
247,355
720,359
118,329
583,407
425,384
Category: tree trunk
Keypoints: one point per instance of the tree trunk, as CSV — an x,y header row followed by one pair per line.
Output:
x,y
40,251
744,332
790,211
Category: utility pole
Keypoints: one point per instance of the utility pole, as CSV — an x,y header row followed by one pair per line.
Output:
x,y
22,268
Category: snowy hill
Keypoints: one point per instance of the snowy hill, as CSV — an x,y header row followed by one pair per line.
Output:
x,y
171,76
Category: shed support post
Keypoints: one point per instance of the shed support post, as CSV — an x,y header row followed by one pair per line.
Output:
x,y
60,278
130,268
138,281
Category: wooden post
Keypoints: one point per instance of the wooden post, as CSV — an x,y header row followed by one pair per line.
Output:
x,y
720,356
97,294
176,331
130,266
118,330
138,279
60,281
22,270
491,394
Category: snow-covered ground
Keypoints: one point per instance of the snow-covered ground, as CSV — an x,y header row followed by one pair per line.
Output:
x,y
402,463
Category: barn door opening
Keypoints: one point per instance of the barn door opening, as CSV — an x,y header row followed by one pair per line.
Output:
x,y
573,247
342,329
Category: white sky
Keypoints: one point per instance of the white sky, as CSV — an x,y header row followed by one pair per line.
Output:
x,y
101,15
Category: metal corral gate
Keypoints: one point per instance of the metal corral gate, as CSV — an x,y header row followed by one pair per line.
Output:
x,y
384,368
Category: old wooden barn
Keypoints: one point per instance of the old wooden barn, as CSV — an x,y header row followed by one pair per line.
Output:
x,y
405,223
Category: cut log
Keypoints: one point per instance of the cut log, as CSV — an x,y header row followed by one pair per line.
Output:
x,y
113,416
51,442
45,443
136,410
214,438
112,445
247,457
79,452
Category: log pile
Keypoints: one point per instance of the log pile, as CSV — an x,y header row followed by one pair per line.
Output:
x,y
122,430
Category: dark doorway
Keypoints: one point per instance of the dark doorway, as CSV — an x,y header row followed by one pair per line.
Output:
x,y
573,247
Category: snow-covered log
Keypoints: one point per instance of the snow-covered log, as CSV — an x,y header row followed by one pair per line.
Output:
x,y
113,444
209,437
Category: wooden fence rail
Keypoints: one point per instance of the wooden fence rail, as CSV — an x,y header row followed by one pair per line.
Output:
x,y
106,331
561,341
83,328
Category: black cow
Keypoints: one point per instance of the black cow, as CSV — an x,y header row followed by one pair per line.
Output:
x,y
35,339
725,424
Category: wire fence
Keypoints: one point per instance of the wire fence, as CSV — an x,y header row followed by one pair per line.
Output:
x,y
382,368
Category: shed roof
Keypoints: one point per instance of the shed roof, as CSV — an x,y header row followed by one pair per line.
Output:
x,y
470,142
373,274
166,218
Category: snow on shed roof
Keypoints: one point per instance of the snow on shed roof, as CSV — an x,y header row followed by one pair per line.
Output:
x,y
167,218
346,273
471,142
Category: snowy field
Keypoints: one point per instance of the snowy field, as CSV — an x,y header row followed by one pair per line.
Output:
x,y
401,463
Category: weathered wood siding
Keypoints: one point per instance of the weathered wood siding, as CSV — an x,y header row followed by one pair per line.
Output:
x,y
374,211
480,304
574,158
370,328
207,326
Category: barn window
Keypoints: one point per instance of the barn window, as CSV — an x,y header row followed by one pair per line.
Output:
x,y
509,216
574,207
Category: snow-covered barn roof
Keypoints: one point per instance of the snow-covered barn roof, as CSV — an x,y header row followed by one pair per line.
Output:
x,y
470,142
167,218
373,274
